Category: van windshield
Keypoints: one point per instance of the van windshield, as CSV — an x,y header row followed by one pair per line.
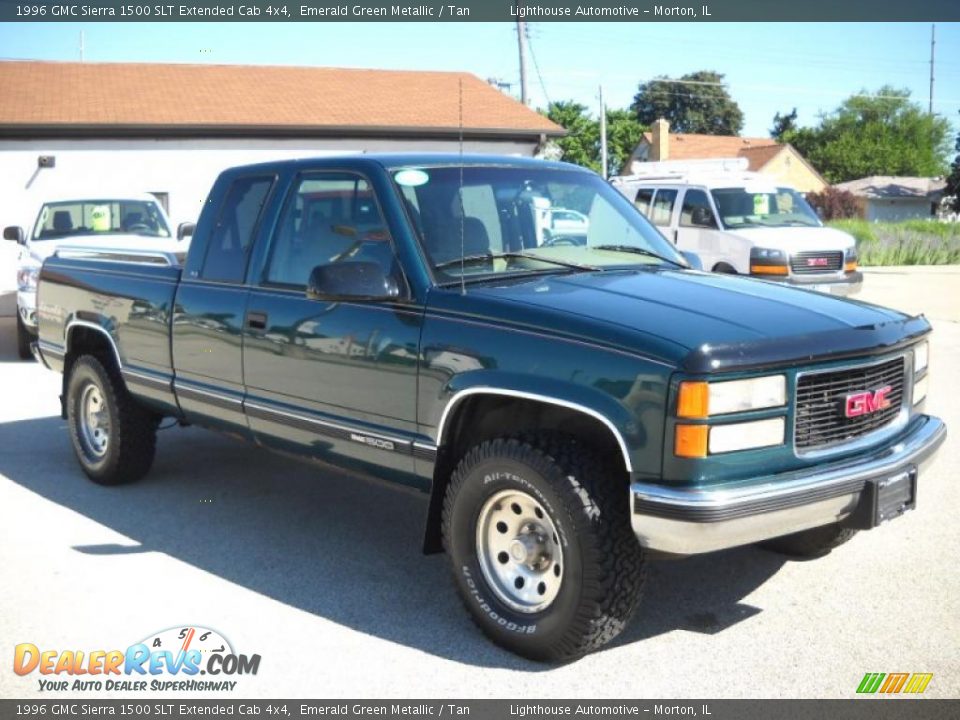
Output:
x,y
764,207
489,222
100,217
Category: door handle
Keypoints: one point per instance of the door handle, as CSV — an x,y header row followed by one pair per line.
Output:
x,y
257,320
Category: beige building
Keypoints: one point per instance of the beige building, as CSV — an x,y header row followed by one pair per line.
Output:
x,y
765,155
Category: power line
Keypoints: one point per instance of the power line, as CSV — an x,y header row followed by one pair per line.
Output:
x,y
536,66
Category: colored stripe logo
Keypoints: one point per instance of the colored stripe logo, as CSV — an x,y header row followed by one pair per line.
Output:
x,y
894,683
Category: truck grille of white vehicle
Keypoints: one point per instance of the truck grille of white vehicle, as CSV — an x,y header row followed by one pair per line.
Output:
x,y
811,263
822,417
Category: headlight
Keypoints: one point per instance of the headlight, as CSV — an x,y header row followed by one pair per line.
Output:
x,y
921,357
703,399
850,259
27,278
921,360
767,261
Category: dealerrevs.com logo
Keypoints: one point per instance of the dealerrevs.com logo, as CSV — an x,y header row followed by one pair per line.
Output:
x,y
177,659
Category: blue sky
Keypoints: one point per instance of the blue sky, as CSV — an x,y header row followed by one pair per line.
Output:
x,y
769,67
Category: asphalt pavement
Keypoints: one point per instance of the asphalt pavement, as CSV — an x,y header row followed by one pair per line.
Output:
x,y
321,574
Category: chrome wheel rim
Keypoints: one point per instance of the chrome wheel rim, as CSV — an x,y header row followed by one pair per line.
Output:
x,y
519,551
94,422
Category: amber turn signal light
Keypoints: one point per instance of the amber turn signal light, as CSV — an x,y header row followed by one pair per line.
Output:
x,y
690,441
693,400
768,270
850,266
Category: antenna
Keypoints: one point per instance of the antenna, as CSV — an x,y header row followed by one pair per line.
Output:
x,y
463,211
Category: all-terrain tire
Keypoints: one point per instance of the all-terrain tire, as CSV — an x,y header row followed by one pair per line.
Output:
x,y
812,543
130,429
588,505
24,338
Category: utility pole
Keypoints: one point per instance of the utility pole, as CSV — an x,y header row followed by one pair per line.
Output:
x,y
603,136
933,45
522,47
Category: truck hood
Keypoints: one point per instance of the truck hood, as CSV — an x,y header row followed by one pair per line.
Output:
x,y
40,250
796,239
702,322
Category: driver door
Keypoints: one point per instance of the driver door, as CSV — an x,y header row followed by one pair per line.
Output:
x,y
337,378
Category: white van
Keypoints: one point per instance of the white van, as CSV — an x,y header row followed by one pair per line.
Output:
x,y
743,222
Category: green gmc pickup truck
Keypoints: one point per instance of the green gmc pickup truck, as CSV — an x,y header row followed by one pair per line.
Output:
x,y
571,397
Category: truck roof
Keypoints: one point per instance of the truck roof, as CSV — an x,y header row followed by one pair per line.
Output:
x,y
421,159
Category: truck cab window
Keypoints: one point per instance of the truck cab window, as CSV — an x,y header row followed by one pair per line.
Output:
x,y
330,218
232,238
696,211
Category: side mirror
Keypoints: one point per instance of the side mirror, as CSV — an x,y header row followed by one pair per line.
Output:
x,y
14,233
691,257
185,229
351,280
702,217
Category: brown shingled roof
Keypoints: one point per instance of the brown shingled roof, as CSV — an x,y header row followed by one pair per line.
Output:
x,y
758,151
64,96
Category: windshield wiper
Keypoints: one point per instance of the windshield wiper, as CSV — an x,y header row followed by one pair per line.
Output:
x,y
637,251
472,259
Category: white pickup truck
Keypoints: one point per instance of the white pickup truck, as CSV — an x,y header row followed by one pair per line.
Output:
x,y
130,222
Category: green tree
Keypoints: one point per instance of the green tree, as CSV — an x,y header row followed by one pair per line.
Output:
x,y
783,124
581,144
696,103
879,134
952,190
623,136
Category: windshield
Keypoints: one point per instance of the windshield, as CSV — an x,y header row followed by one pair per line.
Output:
x,y
100,217
507,221
766,207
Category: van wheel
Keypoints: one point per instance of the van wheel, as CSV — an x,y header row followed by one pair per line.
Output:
x,y
24,338
539,538
725,269
113,437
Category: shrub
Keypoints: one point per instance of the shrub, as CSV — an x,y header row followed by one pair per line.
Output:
x,y
913,242
833,204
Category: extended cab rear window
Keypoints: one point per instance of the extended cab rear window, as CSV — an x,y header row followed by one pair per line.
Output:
x,y
232,237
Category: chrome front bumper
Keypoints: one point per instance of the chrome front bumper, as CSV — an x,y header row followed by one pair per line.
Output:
x,y
687,521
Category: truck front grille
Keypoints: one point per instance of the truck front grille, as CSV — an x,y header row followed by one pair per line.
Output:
x,y
822,397
811,263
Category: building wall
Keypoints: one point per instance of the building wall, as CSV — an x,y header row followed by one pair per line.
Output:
x,y
898,209
787,167
183,168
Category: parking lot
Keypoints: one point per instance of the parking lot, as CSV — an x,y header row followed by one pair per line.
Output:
x,y
322,574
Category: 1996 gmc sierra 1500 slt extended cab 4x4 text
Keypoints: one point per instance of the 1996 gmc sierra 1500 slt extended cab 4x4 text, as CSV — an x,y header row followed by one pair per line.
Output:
x,y
568,402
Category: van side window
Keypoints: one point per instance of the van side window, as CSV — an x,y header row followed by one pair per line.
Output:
x,y
696,211
232,237
329,218
662,209
642,201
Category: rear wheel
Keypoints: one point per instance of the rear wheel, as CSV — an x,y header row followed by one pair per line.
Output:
x,y
812,543
113,437
539,538
725,269
24,338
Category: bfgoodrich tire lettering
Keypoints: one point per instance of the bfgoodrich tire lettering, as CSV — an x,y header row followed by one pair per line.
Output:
x,y
603,567
113,437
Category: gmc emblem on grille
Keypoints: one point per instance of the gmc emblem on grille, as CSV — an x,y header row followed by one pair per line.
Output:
x,y
817,262
864,403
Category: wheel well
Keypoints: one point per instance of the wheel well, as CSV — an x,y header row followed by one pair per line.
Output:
x,y
723,267
478,418
84,340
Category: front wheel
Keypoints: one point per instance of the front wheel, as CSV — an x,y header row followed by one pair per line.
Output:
x,y
539,537
812,543
24,338
113,437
